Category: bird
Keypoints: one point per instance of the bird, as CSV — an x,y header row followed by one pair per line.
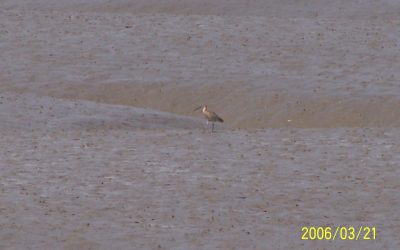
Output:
x,y
210,116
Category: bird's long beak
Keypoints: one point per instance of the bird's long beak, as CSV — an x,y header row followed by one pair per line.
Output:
x,y
197,108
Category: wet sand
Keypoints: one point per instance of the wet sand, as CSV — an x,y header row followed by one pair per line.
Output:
x,y
100,148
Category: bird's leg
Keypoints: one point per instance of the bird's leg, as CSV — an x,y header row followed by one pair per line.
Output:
x,y
212,127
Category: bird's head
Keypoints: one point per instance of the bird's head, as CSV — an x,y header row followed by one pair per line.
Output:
x,y
204,107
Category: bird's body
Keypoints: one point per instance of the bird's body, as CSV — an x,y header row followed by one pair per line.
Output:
x,y
210,116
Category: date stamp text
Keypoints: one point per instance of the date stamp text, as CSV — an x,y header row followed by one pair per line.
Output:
x,y
338,233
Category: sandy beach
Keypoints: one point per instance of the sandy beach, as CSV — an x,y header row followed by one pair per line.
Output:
x,y
101,149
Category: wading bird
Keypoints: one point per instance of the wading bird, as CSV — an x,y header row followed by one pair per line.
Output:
x,y
210,116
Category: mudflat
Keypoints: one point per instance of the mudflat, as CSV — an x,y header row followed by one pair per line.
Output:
x,y
100,148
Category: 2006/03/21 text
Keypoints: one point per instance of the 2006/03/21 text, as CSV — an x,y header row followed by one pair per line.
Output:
x,y
338,233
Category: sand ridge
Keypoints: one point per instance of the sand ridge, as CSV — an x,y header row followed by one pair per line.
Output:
x,y
316,72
